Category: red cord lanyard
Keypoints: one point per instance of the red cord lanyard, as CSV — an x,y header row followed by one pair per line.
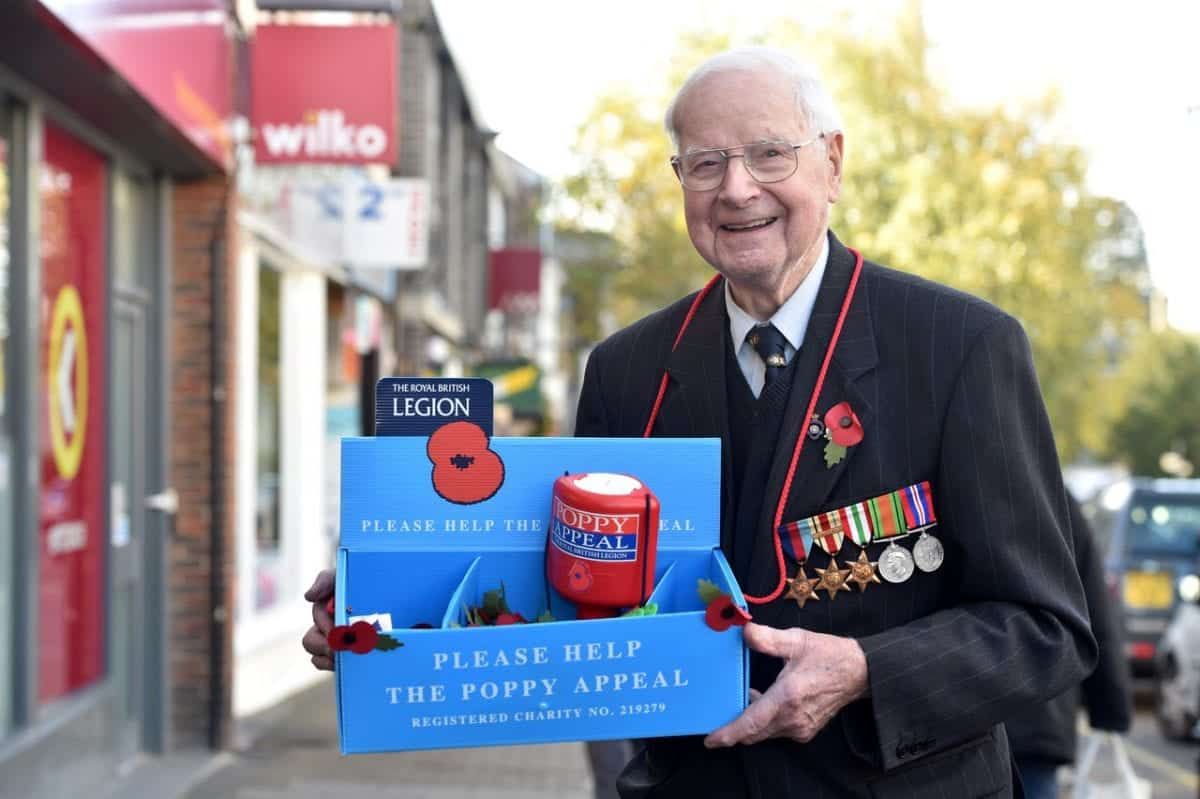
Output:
x,y
800,438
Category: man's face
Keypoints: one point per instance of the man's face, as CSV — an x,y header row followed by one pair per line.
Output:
x,y
762,237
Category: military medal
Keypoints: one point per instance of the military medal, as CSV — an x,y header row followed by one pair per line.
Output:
x,y
928,553
917,502
833,579
888,518
896,563
862,571
802,588
796,539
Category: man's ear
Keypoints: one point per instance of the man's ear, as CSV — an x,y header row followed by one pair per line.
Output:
x,y
833,154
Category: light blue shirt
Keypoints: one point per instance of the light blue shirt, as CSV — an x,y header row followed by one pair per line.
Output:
x,y
791,319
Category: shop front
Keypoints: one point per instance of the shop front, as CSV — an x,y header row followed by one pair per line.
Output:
x,y
87,169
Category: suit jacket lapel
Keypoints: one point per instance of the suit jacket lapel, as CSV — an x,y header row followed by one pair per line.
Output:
x,y
854,358
695,402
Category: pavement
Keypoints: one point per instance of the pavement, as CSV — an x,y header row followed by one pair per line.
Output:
x,y
291,752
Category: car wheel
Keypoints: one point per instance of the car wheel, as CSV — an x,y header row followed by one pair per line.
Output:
x,y
1174,723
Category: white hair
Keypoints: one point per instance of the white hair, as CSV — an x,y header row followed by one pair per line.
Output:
x,y
812,100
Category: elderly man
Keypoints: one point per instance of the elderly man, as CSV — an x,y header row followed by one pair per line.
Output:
x,y
941,593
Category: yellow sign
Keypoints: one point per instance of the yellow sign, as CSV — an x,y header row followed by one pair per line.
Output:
x,y
518,380
1148,590
67,382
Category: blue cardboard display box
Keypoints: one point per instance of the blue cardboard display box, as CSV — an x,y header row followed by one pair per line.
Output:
x,y
407,552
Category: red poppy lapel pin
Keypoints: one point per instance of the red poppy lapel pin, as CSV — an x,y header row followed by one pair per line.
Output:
x,y
840,428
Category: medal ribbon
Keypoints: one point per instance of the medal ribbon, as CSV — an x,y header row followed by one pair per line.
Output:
x,y
893,515
856,522
796,538
829,532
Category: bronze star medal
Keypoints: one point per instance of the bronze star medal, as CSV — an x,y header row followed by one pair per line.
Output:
x,y
802,588
862,571
833,579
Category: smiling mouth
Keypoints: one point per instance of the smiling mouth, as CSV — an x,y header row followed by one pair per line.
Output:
x,y
746,227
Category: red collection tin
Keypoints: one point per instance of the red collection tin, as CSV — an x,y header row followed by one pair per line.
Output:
x,y
602,542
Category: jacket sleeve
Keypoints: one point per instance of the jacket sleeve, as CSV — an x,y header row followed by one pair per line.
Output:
x,y
1014,629
591,416
1107,693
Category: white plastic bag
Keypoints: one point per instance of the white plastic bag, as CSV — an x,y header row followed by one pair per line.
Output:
x,y
1127,785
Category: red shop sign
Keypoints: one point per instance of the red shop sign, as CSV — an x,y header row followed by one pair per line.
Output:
x,y
324,94
514,279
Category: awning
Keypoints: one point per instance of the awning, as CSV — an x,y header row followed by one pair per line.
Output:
x,y
43,52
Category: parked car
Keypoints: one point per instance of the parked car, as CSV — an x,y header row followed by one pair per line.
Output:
x,y
1149,530
1177,695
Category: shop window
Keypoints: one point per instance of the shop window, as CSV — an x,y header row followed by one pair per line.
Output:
x,y
6,466
268,555
72,366
342,401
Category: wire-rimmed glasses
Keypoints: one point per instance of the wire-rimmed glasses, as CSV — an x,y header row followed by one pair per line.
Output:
x,y
767,162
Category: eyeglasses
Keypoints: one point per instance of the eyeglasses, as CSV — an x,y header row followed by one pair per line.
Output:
x,y
767,162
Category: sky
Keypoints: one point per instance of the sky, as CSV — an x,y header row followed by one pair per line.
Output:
x,y
1128,74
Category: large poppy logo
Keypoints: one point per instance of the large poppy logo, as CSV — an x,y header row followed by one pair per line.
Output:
x,y
465,471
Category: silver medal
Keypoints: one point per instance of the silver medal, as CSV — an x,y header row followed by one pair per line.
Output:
x,y
928,553
895,563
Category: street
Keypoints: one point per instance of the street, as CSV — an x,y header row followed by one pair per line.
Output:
x,y
1171,767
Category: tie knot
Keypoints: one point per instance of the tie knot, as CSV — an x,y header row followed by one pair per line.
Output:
x,y
768,342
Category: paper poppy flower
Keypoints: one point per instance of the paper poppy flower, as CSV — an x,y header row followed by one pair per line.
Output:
x,y
359,638
723,614
509,618
843,426
579,578
465,471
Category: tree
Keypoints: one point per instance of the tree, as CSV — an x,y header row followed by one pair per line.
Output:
x,y
983,200
1159,388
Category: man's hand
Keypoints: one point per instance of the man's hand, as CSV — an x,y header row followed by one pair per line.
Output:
x,y
315,640
821,675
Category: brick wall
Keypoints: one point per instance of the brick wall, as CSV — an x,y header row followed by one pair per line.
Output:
x,y
202,210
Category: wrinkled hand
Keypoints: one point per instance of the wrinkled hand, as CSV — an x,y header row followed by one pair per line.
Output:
x,y
821,675
315,640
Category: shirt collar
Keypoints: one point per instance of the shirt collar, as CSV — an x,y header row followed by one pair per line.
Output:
x,y
792,317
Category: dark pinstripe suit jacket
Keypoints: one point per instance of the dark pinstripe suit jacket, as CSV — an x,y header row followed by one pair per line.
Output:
x,y
944,386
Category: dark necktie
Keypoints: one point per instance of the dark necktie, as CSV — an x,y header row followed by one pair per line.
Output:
x,y
768,342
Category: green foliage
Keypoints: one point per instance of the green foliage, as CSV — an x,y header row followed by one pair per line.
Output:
x,y
387,643
1157,391
708,590
983,200
649,609
495,602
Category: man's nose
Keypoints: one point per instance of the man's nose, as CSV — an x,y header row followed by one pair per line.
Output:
x,y
738,188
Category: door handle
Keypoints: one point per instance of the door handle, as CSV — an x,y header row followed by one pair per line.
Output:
x,y
166,501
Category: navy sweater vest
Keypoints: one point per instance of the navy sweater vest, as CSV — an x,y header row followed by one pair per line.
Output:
x,y
754,425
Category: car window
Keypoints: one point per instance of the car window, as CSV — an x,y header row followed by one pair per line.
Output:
x,y
1163,523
